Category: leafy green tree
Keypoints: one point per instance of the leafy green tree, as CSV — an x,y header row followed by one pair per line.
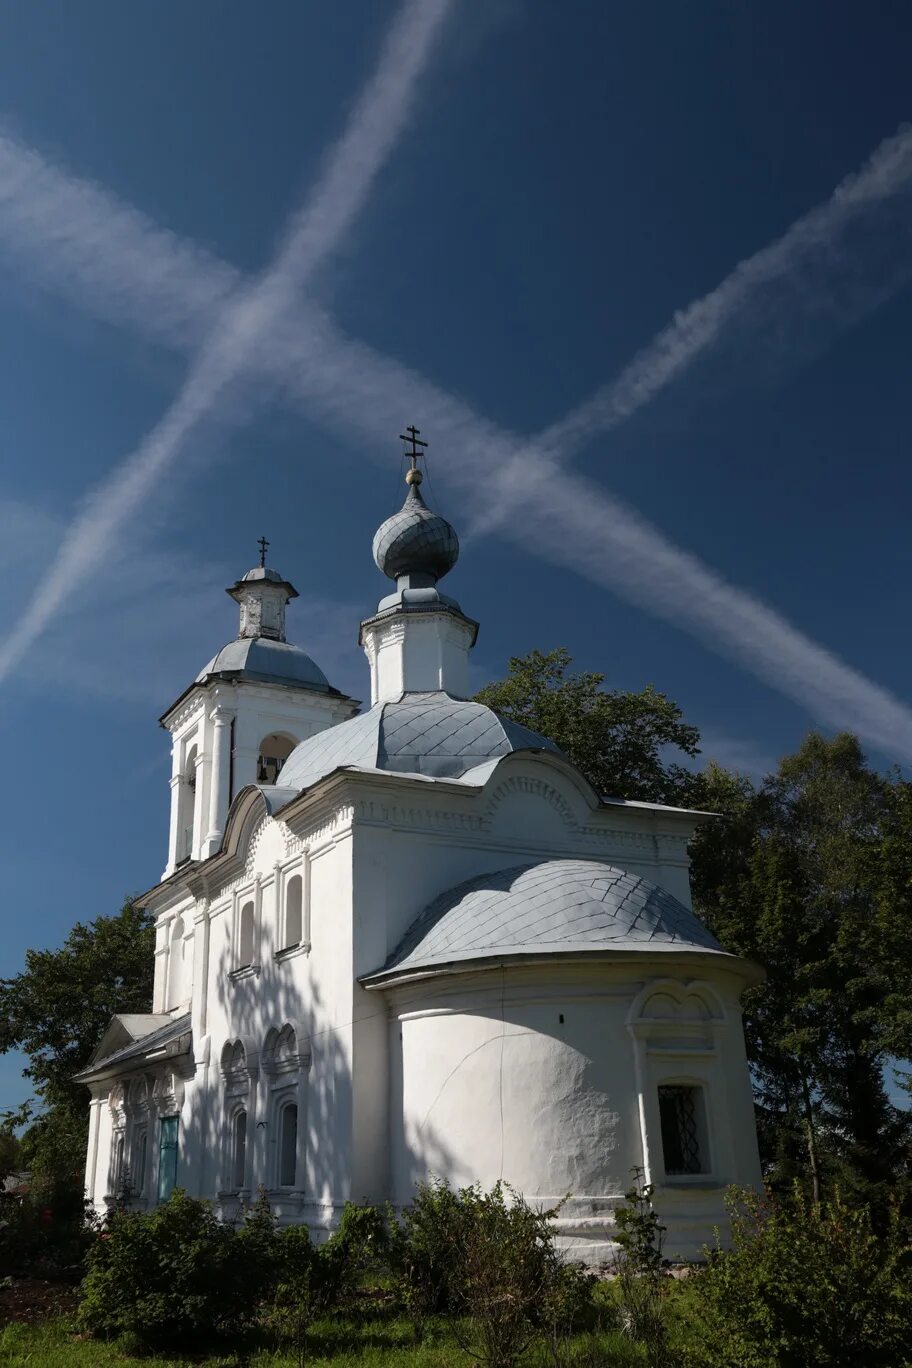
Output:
x,y
617,739
797,881
56,1010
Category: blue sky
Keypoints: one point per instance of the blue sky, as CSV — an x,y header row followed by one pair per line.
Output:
x,y
562,182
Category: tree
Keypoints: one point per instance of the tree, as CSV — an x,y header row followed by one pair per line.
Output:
x,y
810,878
56,1010
617,739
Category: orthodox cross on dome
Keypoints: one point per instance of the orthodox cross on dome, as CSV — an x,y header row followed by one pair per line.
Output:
x,y
413,475
263,544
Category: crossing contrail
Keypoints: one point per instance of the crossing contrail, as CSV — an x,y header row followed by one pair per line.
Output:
x,y
82,241
247,315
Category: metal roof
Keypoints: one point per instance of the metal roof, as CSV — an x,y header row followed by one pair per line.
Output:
x,y
550,907
138,1049
422,733
273,662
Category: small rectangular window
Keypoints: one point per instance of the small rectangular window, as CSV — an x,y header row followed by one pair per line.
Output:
x,y
681,1116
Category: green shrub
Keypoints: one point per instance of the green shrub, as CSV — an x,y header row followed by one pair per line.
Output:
x,y
173,1277
426,1247
46,1234
803,1286
641,1273
512,1282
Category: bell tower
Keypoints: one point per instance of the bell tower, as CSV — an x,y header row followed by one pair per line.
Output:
x,y
243,715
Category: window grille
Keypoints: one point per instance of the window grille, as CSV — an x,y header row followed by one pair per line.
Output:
x,y
680,1130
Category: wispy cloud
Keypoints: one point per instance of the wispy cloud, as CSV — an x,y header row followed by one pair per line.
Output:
x,y
830,263
247,315
351,388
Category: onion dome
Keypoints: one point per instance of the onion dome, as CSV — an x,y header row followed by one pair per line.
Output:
x,y
415,541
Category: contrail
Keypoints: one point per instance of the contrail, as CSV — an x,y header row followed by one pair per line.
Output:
x,y
816,244
351,388
249,312
833,266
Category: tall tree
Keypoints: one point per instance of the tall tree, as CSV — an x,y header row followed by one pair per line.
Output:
x,y
796,881
618,740
55,1012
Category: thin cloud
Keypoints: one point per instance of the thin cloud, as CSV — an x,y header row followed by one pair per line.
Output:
x,y
808,264
247,315
353,389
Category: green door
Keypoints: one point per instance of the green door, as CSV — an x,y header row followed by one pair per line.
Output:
x,y
167,1157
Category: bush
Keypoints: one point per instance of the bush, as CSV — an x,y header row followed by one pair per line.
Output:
x,y
512,1282
642,1280
426,1248
45,1233
803,1286
173,1277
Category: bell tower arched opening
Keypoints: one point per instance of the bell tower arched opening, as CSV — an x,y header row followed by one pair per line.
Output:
x,y
274,751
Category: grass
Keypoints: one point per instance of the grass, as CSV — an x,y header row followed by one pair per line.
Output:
x,y
340,1343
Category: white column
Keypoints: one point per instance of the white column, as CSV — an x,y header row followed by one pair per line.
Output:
x,y
174,829
218,783
95,1107
301,1156
200,989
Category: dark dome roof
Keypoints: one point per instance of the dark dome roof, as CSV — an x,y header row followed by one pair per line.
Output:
x,y
422,733
415,541
550,907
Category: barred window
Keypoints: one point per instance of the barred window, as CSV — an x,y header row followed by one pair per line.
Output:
x,y
683,1129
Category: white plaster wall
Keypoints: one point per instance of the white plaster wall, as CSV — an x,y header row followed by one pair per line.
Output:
x,y
488,1082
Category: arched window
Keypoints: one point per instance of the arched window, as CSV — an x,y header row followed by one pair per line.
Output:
x,y
288,1146
179,954
186,803
294,911
139,1168
274,751
246,932
239,1149
117,1168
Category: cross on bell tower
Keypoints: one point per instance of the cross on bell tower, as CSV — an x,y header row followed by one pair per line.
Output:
x,y
263,544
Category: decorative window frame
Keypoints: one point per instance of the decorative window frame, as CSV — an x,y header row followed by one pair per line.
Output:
x,y
252,892
138,1112
286,1064
678,1049
283,872
239,1069
117,1154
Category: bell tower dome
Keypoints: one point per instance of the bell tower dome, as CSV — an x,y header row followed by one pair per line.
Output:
x,y
243,715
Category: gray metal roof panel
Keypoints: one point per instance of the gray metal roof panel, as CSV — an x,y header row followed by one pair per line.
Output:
x,y
274,662
432,734
140,1047
557,906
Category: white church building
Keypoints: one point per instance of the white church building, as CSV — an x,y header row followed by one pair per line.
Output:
x,y
413,942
